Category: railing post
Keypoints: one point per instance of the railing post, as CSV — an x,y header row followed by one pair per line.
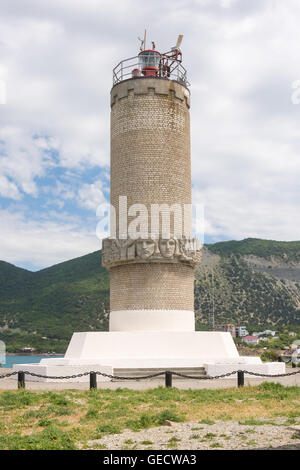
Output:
x,y
240,378
168,378
93,381
21,380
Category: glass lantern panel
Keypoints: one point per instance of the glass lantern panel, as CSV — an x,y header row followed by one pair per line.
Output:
x,y
149,59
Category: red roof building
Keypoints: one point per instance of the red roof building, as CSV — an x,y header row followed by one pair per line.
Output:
x,y
250,339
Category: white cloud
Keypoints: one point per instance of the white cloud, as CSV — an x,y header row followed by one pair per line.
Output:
x,y
91,195
8,189
56,59
239,215
227,3
22,159
43,242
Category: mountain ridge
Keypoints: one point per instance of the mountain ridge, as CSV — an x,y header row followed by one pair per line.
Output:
x,y
253,282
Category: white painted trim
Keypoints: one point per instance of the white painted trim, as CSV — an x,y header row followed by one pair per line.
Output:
x,y
152,320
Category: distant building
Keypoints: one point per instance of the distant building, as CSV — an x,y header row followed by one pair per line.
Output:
x,y
265,333
27,350
227,327
235,331
270,332
250,339
241,331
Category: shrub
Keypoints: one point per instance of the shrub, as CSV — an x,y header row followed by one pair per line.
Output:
x,y
271,356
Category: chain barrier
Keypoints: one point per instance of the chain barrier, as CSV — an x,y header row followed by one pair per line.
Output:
x,y
4,376
117,377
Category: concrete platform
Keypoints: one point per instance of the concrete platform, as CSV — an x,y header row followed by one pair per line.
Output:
x,y
156,350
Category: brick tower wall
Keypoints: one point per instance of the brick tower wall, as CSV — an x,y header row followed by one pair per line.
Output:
x,y
150,143
150,164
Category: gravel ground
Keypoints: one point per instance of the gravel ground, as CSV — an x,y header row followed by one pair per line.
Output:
x,y
223,435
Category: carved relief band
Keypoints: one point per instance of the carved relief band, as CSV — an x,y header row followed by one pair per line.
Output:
x,y
173,250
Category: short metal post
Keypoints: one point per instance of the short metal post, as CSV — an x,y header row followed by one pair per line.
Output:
x,y
168,378
21,380
240,378
93,381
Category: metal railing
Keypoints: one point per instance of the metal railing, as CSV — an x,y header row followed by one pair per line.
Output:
x,y
168,374
123,71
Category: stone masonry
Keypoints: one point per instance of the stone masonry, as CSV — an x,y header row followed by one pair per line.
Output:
x,y
150,164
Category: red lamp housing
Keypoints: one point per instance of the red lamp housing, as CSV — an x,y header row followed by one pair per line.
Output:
x,y
149,61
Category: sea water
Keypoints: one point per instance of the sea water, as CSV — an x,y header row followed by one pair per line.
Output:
x,y
11,360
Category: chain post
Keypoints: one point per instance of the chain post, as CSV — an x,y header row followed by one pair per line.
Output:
x,y
93,381
21,380
168,378
240,378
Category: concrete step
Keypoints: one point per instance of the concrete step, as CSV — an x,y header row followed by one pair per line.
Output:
x,y
140,372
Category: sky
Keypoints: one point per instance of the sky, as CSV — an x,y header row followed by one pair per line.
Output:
x,y
56,61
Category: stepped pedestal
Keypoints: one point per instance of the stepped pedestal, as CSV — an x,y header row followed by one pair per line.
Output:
x,y
114,352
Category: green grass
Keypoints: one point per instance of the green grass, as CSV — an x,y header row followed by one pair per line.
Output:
x,y
49,439
207,421
215,445
251,442
173,442
210,435
255,422
69,419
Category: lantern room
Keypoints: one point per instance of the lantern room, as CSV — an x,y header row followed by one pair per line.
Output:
x,y
149,61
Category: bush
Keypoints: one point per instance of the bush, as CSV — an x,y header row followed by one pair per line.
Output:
x,y
270,356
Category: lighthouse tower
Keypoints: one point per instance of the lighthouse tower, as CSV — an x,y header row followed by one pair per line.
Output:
x,y
150,253
152,269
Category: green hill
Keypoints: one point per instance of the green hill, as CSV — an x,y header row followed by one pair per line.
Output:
x,y
262,248
53,302
253,282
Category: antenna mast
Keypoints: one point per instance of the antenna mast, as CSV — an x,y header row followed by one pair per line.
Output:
x,y
143,42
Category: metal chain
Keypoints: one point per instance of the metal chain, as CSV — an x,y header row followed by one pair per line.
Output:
x,y
273,375
142,377
7,375
204,377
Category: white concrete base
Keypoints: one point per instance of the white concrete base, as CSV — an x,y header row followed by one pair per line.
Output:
x,y
63,370
272,368
119,347
104,351
151,320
